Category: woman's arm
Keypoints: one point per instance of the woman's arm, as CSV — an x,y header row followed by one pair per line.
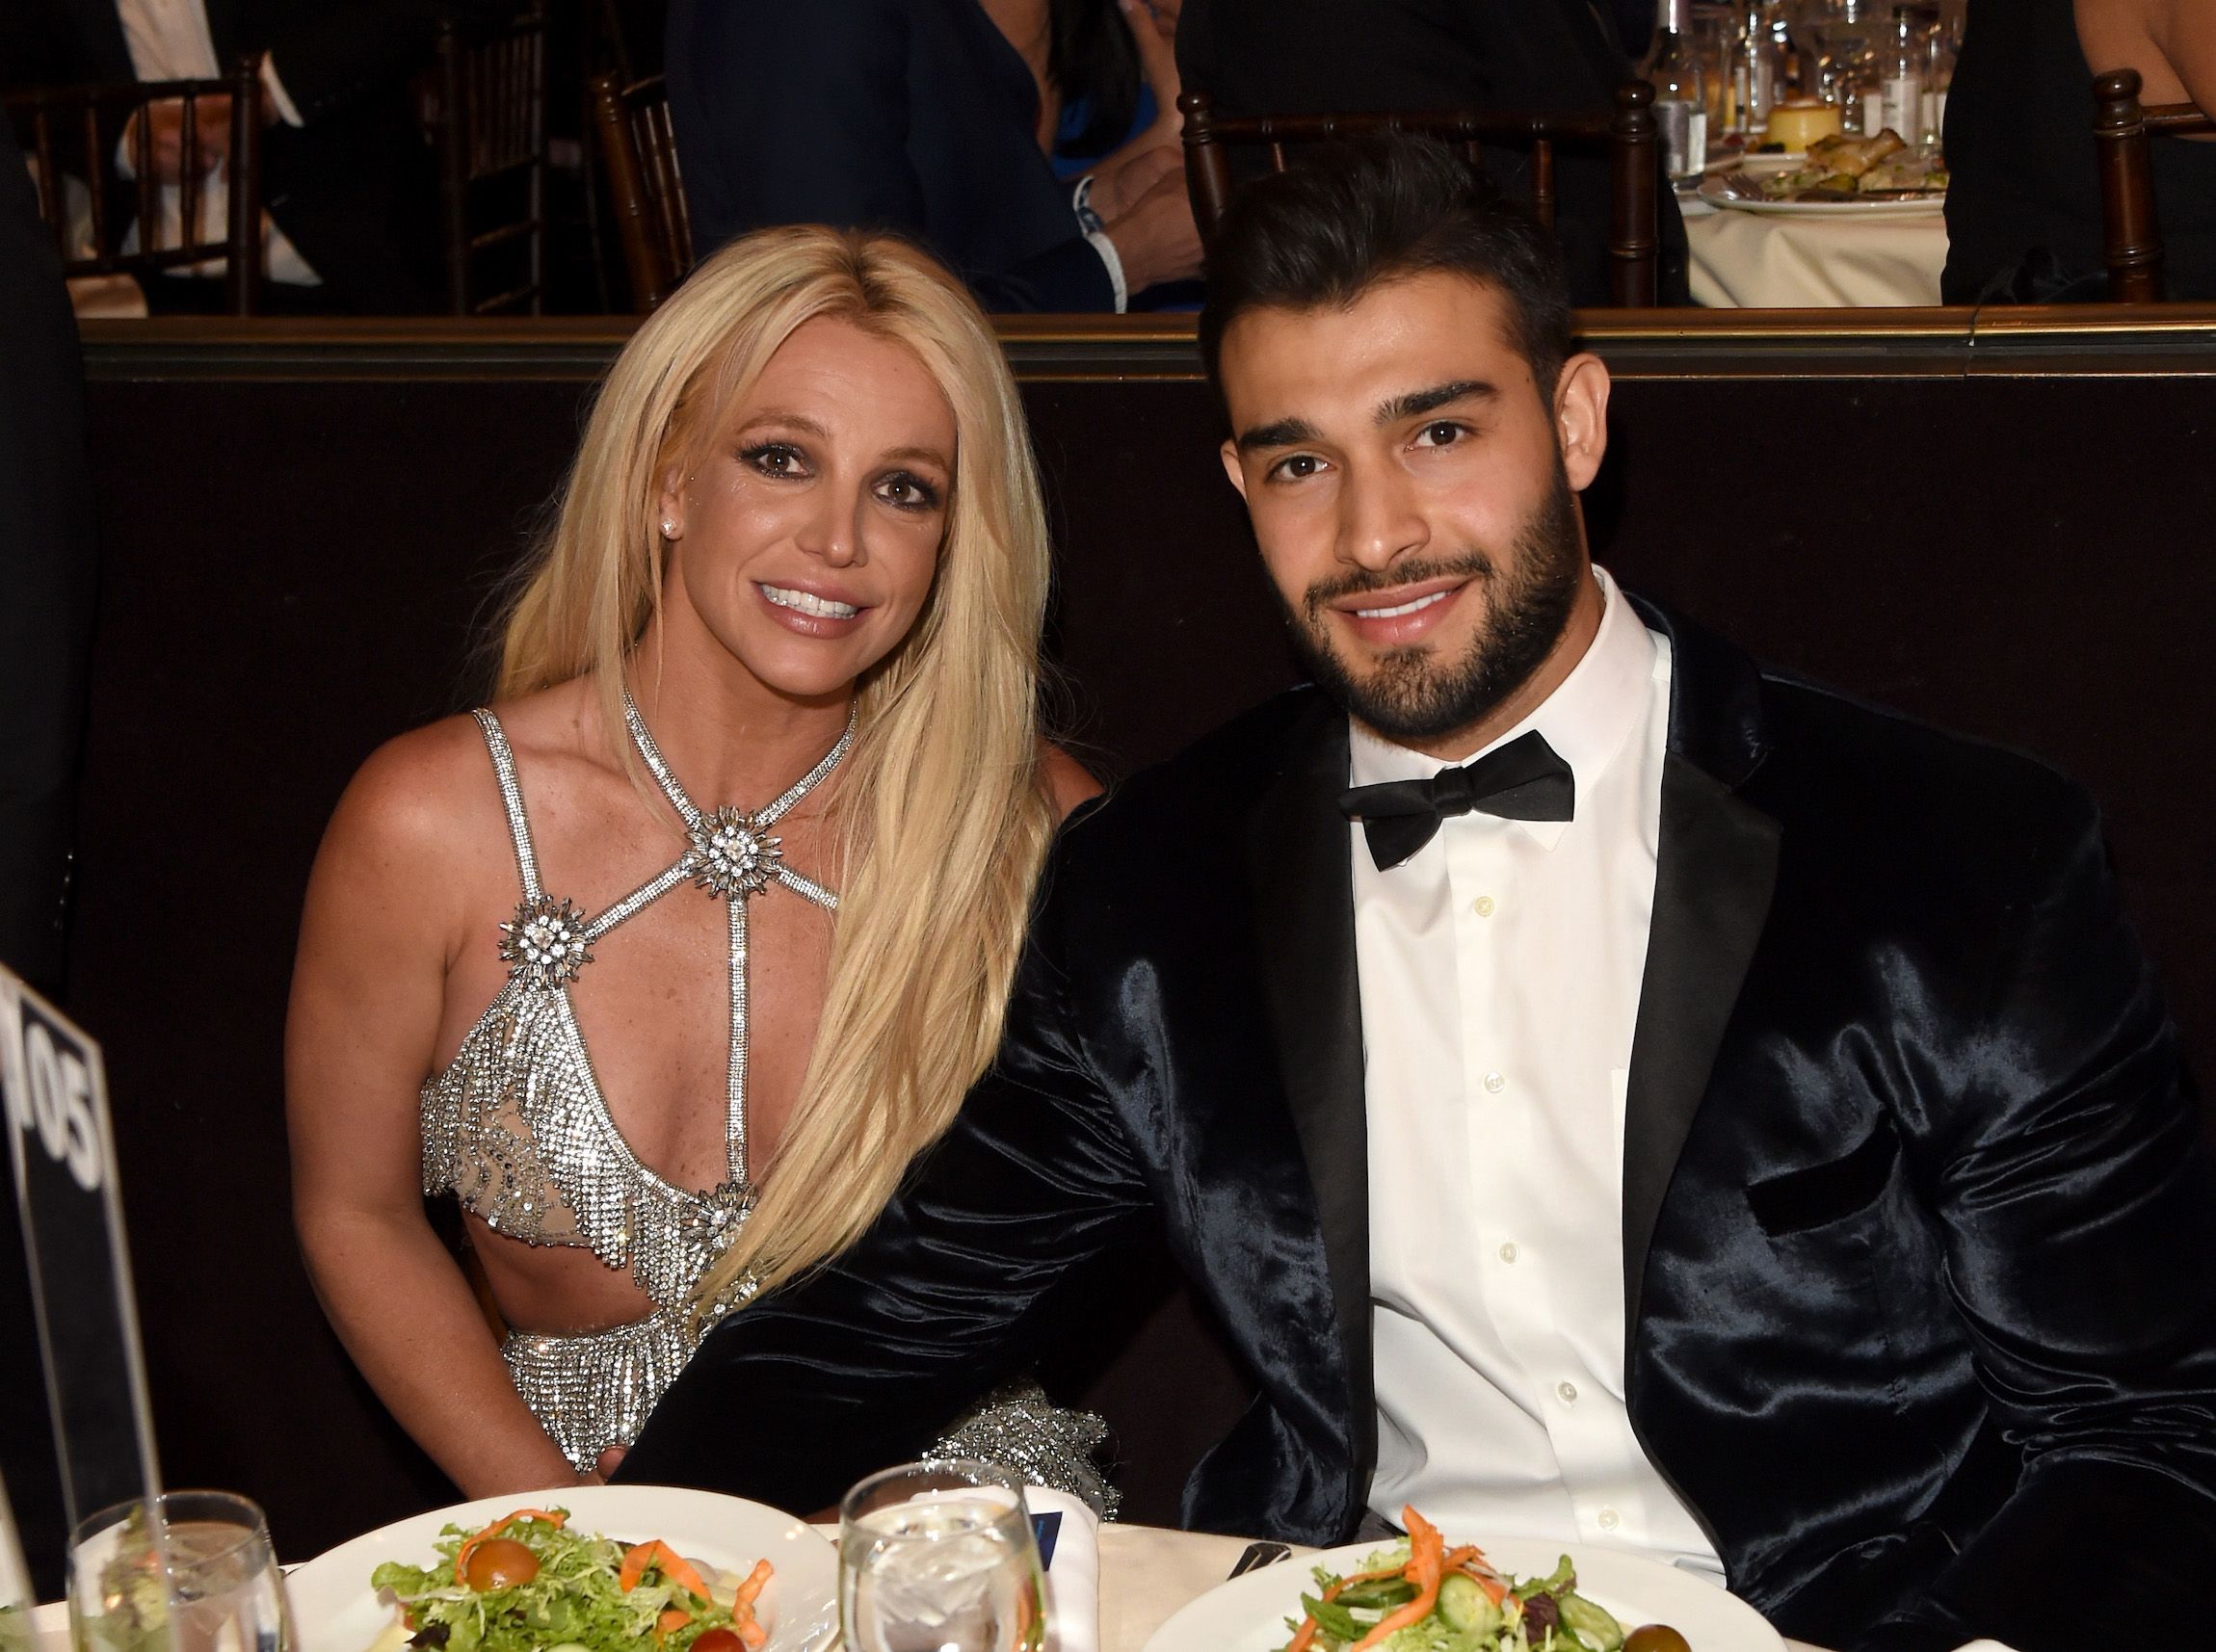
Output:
x,y
367,991
1067,781
2171,42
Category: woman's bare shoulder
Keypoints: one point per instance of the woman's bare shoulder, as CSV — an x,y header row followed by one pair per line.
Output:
x,y
1067,781
435,786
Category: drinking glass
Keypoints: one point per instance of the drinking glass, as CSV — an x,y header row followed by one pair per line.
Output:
x,y
198,1576
939,1557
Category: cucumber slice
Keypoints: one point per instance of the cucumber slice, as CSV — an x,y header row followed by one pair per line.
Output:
x,y
1465,1607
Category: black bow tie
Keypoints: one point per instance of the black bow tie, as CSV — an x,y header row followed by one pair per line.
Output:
x,y
1524,780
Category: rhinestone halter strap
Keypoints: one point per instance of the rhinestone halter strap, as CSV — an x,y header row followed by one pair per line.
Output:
x,y
734,856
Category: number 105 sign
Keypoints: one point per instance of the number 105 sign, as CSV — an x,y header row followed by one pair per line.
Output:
x,y
64,1165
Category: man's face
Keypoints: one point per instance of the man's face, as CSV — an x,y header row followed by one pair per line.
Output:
x,y
1411,490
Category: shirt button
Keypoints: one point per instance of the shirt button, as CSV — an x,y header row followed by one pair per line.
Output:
x,y
1494,1083
1482,906
1608,1520
1508,1251
1568,1391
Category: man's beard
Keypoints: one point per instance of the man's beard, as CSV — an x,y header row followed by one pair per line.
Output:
x,y
1411,694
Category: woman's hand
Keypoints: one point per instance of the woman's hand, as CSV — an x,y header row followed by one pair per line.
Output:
x,y
1123,180
1139,191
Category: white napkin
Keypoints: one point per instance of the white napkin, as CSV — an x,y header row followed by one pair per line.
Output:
x,y
1072,1568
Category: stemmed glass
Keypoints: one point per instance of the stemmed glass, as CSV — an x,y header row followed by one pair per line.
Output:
x,y
1839,34
939,1557
197,1576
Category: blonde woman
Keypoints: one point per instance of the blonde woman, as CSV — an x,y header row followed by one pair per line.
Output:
x,y
667,963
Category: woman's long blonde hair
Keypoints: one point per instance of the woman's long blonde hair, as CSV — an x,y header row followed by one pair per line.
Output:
x,y
941,810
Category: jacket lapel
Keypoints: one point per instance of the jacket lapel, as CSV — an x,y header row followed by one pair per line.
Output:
x,y
1717,869
1302,886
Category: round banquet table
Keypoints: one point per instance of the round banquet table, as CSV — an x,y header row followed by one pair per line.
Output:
x,y
1746,260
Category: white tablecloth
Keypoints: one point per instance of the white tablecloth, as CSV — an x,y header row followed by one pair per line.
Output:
x,y
1749,260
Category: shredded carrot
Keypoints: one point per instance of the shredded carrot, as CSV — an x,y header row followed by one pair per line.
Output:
x,y
1480,1573
469,1545
658,1556
1426,1569
756,1581
671,1621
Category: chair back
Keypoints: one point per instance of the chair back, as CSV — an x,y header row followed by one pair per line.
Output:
x,y
2132,233
648,196
488,122
85,131
1634,233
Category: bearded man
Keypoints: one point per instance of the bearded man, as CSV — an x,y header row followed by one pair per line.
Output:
x,y
1608,1092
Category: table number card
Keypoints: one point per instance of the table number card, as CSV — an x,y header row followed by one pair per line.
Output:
x,y
56,1118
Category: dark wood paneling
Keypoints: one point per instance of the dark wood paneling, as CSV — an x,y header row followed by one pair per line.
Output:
x,y
2001,528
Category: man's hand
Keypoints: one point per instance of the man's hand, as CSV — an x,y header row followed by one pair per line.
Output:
x,y
165,129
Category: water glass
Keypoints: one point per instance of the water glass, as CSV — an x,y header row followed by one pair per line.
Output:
x,y
189,1571
939,1557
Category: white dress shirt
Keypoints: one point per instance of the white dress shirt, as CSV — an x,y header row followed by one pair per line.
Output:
x,y
1500,971
169,41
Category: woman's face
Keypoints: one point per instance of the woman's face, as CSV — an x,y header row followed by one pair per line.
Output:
x,y
807,536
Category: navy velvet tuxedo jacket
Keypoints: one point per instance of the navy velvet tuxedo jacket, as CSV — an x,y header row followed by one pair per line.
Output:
x,y
1919,1229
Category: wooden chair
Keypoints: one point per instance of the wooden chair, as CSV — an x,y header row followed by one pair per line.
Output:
x,y
79,129
648,196
1634,231
488,98
2132,235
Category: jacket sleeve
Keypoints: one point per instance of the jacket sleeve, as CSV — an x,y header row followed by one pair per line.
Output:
x,y
800,115
47,579
2077,1204
335,55
865,1362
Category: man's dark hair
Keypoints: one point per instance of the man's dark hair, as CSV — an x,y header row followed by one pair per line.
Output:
x,y
1346,217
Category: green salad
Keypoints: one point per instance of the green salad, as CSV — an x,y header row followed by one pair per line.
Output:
x,y
528,1583
1421,1596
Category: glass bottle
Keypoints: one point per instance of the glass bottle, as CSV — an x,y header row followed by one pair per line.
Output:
x,y
1753,76
1681,109
1901,91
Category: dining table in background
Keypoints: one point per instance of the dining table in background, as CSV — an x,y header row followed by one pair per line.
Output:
x,y
1749,260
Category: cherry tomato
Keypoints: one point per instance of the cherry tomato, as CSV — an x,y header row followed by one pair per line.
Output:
x,y
499,1562
1655,1638
718,1640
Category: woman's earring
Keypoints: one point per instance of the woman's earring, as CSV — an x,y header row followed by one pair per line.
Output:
x,y
668,528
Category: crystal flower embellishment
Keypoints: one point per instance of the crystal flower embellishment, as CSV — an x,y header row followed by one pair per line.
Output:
x,y
712,1219
546,940
732,856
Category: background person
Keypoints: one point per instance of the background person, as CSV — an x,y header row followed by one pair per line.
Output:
x,y
46,597
933,119
2024,212
348,181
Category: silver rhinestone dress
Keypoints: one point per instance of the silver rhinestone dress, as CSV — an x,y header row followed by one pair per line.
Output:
x,y
517,1128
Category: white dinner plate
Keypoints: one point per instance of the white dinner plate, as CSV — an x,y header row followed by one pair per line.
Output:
x,y
1718,192
334,1609
1248,1614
